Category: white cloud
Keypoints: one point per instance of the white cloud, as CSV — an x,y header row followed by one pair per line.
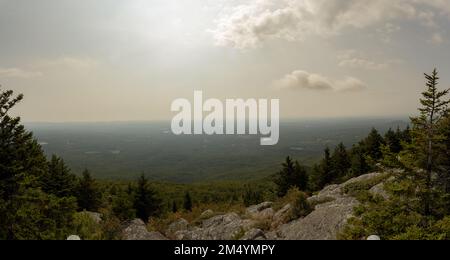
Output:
x,y
354,60
18,73
300,79
247,26
350,84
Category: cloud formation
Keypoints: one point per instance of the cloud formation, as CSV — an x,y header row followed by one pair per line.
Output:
x,y
354,60
18,73
300,79
247,26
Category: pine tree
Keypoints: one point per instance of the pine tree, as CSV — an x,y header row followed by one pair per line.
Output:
x,y
122,206
88,193
425,134
359,165
58,180
314,183
321,174
372,145
25,211
443,159
292,175
393,141
406,136
146,202
174,207
187,205
301,177
340,162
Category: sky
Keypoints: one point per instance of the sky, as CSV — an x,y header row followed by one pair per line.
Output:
x,y
115,60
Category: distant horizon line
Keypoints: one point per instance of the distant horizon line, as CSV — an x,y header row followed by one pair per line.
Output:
x,y
286,119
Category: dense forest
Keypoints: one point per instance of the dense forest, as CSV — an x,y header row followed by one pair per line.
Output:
x,y
41,198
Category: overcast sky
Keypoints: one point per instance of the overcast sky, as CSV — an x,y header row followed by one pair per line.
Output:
x,y
115,60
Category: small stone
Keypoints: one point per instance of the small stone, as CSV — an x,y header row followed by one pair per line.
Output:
x,y
73,237
373,238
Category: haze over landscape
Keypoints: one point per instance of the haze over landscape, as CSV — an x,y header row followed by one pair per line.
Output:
x,y
126,150
112,60
131,123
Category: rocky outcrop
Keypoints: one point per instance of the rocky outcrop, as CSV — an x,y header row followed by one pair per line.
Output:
x,y
282,216
176,226
222,227
333,207
332,211
137,230
256,209
322,224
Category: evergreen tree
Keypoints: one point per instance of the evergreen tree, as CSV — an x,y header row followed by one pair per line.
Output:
x,y
393,141
340,163
88,193
58,180
359,165
405,135
302,178
426,138
292,175
372,145
315,182
25,211
443,159
122,206
322,173
187,202
146,202
174,207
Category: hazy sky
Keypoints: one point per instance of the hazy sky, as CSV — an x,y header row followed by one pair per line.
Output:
x,y
108,60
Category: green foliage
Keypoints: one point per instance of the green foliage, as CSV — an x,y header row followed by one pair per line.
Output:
x,y
443,155
39,216
239,234
322,173
88,193
86,227
417,208
372,145
26,212
122,206
393,141
340,163
252,196
58,180
390,158
146,202
355,188
359,163
174,207
292,175
187,204
300,204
